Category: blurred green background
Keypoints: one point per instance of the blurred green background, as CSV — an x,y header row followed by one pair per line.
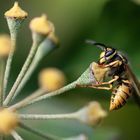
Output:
x,y
114,22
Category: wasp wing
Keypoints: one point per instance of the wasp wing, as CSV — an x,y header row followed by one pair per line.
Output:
x,y
136,84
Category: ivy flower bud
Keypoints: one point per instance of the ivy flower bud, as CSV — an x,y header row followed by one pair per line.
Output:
x,y
5,45
16,12
8,121
92,114
40,27
53,38
51,79
50,43
15,16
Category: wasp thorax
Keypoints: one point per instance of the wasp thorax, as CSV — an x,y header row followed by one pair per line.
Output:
x,y
8,121
99,72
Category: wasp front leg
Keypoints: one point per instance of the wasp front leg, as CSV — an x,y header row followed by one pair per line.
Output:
x,y
110,82
113,64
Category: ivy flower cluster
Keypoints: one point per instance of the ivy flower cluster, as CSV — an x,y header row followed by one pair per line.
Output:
x,y
51,80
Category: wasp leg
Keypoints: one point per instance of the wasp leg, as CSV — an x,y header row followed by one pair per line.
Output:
x,y
115,63
127,81
99,86
105,88
110,82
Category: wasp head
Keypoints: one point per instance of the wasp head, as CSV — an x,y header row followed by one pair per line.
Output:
x,y
107,52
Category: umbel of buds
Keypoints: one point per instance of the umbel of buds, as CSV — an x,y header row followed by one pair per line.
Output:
x,y
51,80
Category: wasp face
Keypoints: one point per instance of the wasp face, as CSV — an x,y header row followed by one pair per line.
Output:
x,y
106,55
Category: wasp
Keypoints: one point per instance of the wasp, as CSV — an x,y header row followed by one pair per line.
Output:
x,y
112,64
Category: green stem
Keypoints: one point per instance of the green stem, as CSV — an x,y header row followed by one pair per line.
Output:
x,y
33,98
22,72
9,62
48,116
26,77
46,47
1,80
16,136
38,133
57,92
25,101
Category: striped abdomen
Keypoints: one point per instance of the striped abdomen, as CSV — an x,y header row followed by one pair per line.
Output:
x,y
120,95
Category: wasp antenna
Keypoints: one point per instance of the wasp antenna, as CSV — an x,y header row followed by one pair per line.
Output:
x,y
99,45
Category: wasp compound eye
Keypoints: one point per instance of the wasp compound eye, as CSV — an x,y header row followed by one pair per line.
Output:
x,y
109,52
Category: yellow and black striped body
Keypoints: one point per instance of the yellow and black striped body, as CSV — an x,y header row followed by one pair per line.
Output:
x,y
120,94
117,67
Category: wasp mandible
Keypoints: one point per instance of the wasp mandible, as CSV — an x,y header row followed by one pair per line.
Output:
x,y
114,65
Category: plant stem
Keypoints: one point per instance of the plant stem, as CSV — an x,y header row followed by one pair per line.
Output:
x,y
9,62
2,62
34,97
28,99
46,47
57,92
47,116
22,72
38,133
16,136
26,77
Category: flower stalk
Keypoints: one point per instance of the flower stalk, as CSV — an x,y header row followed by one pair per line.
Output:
x,y
90,114
16,136
2,62
9,62
15,16
79,137
36,96
40,28
45,48
48,116
84,80
22,72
